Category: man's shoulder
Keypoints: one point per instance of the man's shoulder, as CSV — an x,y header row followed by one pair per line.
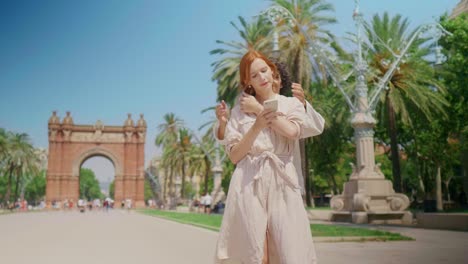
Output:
x,y
288,99
289,102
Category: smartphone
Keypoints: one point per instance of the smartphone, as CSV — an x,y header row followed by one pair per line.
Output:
x,y
271,104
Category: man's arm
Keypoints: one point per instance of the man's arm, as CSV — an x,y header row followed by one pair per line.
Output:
x,y
285,127
314,123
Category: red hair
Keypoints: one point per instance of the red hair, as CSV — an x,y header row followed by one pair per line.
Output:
x,y
244,68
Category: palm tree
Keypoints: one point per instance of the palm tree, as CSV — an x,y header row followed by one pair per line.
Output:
x,y
39,160
3,152
3,148
168,130
199,165
181,155
168,163
166,138
226,70
413,87
20,159
309,25
200,162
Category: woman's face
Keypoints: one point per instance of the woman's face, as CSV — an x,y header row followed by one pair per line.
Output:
x,y
261,77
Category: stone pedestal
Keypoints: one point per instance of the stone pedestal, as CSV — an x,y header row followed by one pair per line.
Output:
x,y
359,217
370,201
373,217
374,198
218,193
368,197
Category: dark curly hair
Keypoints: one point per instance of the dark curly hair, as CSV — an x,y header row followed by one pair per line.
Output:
x,y
286,83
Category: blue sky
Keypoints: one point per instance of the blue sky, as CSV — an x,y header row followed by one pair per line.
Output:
x,y
104,59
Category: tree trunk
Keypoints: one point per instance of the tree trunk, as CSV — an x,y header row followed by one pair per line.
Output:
x,y
8,190
297,77
182,196
421,191
447,183
335,186
304,167
426,175
440,206
421,184
165,185
419,171
171,189
464,167
392,131
297,71
207,174
18,178
310,183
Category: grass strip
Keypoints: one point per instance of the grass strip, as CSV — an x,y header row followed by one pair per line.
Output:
x,y
213,222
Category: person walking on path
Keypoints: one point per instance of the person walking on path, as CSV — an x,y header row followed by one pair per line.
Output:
x,y
264,208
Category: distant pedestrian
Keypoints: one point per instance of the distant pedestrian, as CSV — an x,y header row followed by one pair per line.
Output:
x,y
128,204
206,201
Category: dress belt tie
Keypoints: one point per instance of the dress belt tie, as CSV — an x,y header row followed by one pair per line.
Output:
x,y
260,161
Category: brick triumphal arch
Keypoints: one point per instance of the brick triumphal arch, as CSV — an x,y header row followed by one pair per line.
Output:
x,y
70,145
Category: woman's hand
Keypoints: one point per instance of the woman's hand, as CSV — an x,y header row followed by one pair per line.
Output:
x,y
222,112
265,118
250,105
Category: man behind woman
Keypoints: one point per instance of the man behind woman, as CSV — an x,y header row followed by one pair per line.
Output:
x,y
265,220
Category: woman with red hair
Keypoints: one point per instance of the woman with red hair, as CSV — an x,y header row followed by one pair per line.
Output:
x,y
265,220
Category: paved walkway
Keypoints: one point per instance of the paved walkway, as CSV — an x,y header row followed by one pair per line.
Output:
x,y
132,238
430,246
99,238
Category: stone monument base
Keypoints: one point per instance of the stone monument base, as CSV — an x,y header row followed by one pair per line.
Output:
x,y
370,200
391,217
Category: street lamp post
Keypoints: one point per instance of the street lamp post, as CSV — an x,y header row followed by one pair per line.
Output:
x,y
217,169
274,17
367,196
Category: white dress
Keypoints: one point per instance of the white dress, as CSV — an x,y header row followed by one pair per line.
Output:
x,y
264,194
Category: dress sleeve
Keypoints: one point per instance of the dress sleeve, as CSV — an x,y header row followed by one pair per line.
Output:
x,y
296,115
313,122
233,134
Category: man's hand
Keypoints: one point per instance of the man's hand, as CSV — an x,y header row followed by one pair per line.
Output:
x,y
250,105
298,92
222,112
276,85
